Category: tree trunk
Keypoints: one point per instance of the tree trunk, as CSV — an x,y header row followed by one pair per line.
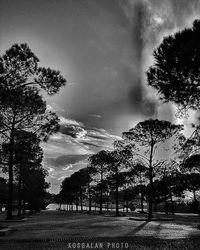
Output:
x,y
166,205
24,197
172,204
81,199
19,191
117,193
194,195
90,203
107,202
77,202
142,202
101,195
150,213
127,206
155,205
10,170
89,199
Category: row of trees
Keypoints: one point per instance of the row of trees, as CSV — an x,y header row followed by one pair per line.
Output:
x,y
137,167
25,121
138,158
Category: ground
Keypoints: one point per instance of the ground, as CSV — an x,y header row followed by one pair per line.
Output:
x,y
55,229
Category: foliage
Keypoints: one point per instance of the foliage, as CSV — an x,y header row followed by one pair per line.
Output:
x,y
152,131
75,187
21,105
35,187
147,135
175,73
3,191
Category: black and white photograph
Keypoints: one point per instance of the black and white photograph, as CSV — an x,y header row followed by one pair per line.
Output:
x,y
99,124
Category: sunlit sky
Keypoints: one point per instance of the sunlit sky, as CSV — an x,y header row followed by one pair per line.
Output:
x,y
103,48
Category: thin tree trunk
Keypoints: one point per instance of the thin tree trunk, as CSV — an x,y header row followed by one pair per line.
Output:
x,y
150,213
89,199
24,197
19,191
81,199
90,203
194,193
77,203
155,205
10,170
117,193
107,203
142,202
166,205
172,204
101,195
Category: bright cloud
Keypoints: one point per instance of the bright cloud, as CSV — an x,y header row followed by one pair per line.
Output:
x,y
67,121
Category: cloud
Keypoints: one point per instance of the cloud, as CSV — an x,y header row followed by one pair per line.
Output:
x,y
67,151
71,127
96,115
59,174
68,167
66,160
55,107
71,83
96,137
73,130
157,19
49,108
66,121
101,134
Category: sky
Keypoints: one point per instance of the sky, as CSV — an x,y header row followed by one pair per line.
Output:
x,y
103,48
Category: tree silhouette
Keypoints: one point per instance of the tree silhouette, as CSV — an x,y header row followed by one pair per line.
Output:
x,y
117,162
3,192
191,163
138,175
191,182
148,135
166,174
76,187
99,163
67,192
28,155
21,104
175,73
35,187
80,180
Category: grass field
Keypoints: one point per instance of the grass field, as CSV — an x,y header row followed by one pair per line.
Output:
x,y
59,230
